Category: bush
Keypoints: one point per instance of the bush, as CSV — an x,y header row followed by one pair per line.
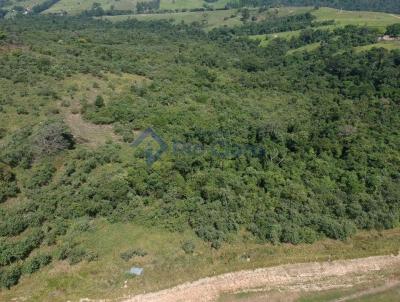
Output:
x,y
82,225
18,150
10,276
290,234
11,252
8,183
3,132
188,247
393,30
129,254
337,230
51,138
36,263
64,250
76,255
99,102
42,175
91,256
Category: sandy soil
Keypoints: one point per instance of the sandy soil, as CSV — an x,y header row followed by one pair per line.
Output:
x,y
292,277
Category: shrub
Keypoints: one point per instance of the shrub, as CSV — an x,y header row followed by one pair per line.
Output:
x,y
82,225
129,254
11,252
42,175
8,184
22,111
76,255
188,247
393,30
64,250
10,276
3,132
36,263
91,256
99,102
51,138
290,234
18,150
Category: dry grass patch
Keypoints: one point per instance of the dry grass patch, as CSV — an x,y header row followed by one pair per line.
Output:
x,y
88,133
84,88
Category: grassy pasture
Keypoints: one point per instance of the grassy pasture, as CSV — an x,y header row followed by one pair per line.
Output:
x,y
76,6
387,296
343,294
342,18
166,264
185,4
211,19
389,45
24,3
391,294
309,47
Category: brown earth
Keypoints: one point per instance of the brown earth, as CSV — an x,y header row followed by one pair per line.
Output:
x,y
292,278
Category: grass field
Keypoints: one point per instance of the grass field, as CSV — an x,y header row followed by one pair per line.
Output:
x,y
387,296
166,264
185,4
342,18
389,45
23,3
77,6
376,287
390,295
372,19
211,19
309,47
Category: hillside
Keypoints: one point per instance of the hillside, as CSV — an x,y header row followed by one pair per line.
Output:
x,y
212,142
232,17
118,7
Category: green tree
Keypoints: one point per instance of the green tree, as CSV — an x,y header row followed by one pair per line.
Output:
x,y
393,30
99,102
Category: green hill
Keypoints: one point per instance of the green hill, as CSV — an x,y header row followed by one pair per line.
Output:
x,y
187,149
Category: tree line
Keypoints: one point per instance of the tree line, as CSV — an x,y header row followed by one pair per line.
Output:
x,y
367,5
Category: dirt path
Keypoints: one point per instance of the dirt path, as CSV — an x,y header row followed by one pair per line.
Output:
x,y
305,276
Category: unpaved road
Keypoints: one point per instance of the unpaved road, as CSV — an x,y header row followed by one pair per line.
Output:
x,y
292,277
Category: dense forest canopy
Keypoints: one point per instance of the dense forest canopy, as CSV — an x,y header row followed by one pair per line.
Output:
x,y
322,127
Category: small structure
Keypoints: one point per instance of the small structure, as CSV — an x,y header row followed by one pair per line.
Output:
x,y
388,38
136,271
